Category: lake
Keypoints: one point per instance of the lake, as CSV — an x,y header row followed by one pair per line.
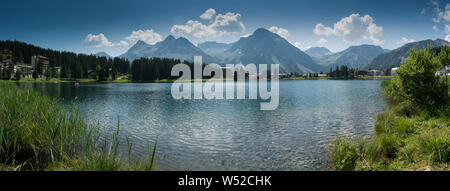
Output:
x,y
230,134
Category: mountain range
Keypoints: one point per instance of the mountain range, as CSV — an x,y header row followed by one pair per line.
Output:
x,y
353,57
396,57
318,51
265,47
213,48
262,47
171,47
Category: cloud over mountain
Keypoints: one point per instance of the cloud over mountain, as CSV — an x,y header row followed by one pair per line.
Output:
x,y
280,31
405,40
148,36
97,40
220,25
100,40
354,28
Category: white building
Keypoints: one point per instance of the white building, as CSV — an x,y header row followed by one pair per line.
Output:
x,y
444,71
394,71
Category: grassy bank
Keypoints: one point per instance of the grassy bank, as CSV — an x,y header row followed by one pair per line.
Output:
x,y
404,139
413,133
38,133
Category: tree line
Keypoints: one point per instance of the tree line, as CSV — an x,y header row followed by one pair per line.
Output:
x,y
151,69
343,72
72,65
78,66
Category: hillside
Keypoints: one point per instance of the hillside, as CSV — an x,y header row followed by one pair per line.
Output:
x,y
396,57
353,57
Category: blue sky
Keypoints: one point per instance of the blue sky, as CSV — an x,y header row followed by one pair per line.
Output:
x,y
113,26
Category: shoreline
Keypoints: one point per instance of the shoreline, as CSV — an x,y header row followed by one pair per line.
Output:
x,y
57,80
405,139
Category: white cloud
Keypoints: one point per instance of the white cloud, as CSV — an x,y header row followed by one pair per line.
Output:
x,y
320,29
228,23
405,40
446,15
193,28
353,28
223,24
280,31
300,46
441,14
322,41
148,36
208,15
435,28
100,40
97,41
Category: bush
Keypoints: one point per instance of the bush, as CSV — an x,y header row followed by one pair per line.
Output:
x,y
418,82
414,132
394,90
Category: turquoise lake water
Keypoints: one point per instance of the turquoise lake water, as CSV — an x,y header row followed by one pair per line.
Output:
x,y
230,134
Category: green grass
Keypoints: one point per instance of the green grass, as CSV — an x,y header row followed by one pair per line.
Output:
x,y
405,139
376,77
38,133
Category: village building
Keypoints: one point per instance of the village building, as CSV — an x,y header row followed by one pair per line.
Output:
x,y
7,61
394,71
375,73
40,63
444,71
323,75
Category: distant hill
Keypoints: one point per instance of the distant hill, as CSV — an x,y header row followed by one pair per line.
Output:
x,y
102,54
265,47
353,57
179,48
318,51
212,47
396,57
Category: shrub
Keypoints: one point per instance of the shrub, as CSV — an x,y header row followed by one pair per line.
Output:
x,y
419,82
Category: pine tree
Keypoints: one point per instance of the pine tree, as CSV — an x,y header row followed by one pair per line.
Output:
x,y
18,75
35,74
